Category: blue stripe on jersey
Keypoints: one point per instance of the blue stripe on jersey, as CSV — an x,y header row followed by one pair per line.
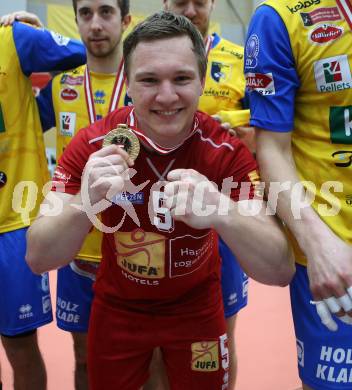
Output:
x,y
46,107
272,112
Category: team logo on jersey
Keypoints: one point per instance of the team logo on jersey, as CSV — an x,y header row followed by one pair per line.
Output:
x,y
300,352
252,51
205,356
325,33
141,253
3,179
261,83
25,312
59,39
67,123
341,125
71,80
220,72
301,5
69,94
333,74
320,15
99,97
2,122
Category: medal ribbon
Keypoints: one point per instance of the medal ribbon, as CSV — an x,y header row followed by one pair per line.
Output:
x,y
115,96
345,7
208,43
132,123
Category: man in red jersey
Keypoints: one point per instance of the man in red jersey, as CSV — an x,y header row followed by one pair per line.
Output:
x,y
159,281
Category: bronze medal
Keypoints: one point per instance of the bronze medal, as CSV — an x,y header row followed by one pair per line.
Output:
x,y
125,138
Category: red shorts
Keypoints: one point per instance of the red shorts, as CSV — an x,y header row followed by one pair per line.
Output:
x,y
121,344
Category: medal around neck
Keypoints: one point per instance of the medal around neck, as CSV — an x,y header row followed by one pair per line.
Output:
x,y
124,137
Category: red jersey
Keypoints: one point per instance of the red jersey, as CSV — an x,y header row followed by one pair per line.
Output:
x,y
155,263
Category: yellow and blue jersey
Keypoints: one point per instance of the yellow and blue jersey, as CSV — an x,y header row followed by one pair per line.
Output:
x,y
298,73
23,167
224,92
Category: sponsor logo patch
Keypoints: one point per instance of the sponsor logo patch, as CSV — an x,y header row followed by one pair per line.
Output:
x,y
71,80
333,74
126,197
341,125
320,15
99,97
261,83
141,253
252,51
302,5
67,123
205,356
69,94
325,33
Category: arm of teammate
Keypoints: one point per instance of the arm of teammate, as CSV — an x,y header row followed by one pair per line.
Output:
x,y
329,258
46,107
21,16
57,234
267,258
41,50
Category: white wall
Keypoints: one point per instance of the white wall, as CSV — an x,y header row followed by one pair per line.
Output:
x,y
13,5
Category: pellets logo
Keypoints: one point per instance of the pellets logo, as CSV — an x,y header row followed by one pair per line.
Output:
x,y
325,33
333,74
67,123
261,83
205,356
69,94
220,72
141,253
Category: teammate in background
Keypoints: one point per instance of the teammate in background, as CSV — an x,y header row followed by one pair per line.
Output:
x,y
146,296
299,74
25,300
223,98
72,101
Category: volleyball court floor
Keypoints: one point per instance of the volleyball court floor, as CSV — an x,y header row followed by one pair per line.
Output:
x,y
265,345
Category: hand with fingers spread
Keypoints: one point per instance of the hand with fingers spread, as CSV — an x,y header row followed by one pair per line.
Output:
x,y
330,276
105,174
22,16
192,198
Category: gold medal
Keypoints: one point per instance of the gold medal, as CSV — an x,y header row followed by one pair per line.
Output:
x,y
125,138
